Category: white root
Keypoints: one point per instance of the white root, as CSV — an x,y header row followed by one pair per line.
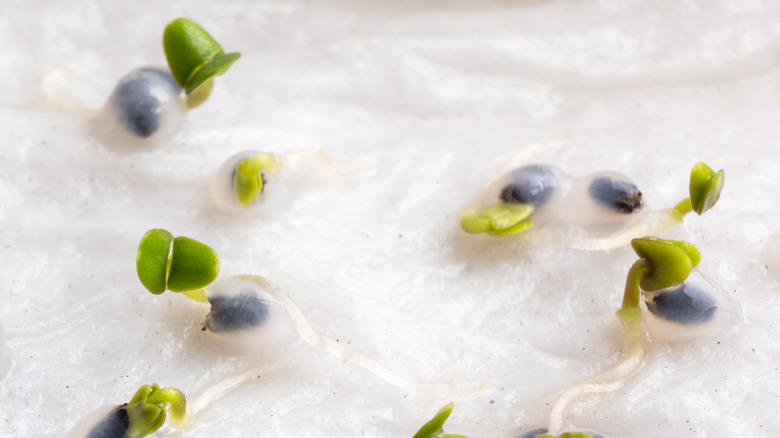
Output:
x,y
220,389
57,87
614,240
456,390
608,381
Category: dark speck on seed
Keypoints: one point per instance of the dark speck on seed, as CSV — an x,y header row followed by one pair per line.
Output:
x,y
530,185
236,312
683,304
114,425
619,195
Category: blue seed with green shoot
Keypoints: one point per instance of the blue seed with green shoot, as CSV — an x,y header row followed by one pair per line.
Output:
x,y
600,211
148,105
249,179
249,315
543,195
146,412
256,182
657,280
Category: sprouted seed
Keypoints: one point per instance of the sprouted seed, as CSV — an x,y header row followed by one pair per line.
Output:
x,y
147,106
250,179
245,319
255,181
662,271
600,211
682,304
145,413
246,306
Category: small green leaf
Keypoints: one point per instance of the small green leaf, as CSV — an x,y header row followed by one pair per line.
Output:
x,y
472,222
193,265
499,220
193,55
144,417
174,400
148,409
434,428
177,264
215,67
667,262
689,249
705,187
154,252
248,177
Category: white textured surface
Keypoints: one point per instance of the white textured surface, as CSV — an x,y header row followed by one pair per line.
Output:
x,y
435,98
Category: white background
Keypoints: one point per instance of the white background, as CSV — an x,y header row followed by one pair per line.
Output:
x,y
434,96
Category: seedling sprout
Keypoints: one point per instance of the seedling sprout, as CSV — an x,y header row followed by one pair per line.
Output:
x,y
526,196
148,105
247,305
146,412
252,180
663,268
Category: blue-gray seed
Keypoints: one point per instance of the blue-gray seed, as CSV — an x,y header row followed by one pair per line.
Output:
x,y
236,312
530,185
684,304
619,195
138,109
114,425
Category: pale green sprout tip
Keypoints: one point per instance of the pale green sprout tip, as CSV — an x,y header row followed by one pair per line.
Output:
x,y
152,261
663,263
151,405
705,187
248,179
434,428
499,220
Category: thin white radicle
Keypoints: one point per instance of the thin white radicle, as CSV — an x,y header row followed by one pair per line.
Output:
x,y
318,340
617,239
455,390
609,381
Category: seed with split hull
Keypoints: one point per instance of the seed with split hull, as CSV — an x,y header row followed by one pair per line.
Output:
x,y
114,425
230,313
142,97
617,194
532,184
683,304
